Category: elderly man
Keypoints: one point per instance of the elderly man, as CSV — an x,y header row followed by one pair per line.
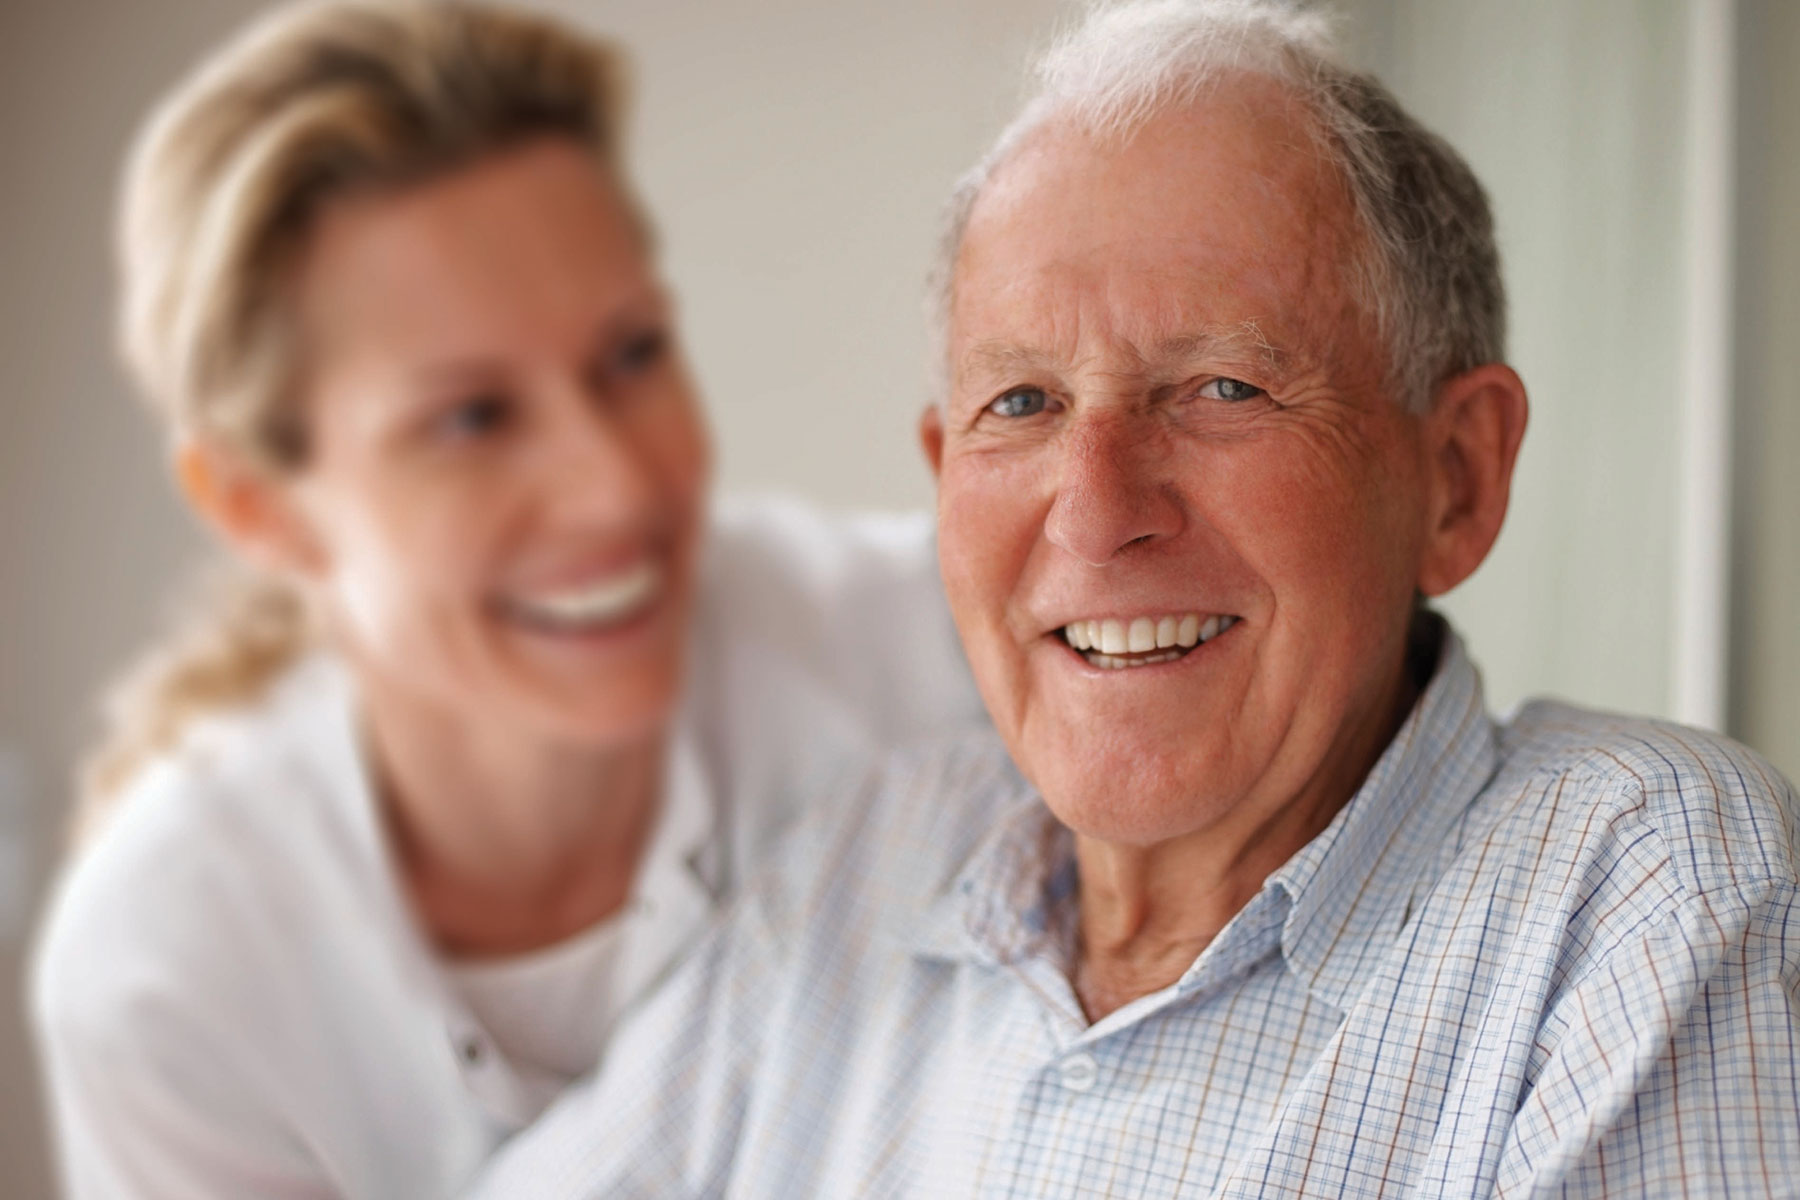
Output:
x,y
1250,896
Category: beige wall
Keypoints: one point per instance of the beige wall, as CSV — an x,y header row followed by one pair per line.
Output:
x,y
87,534
795,152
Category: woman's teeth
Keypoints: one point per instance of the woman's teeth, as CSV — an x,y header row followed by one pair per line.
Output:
x,y
1145,640
601,602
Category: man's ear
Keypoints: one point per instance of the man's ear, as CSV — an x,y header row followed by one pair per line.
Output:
x,y
247,507
1472,437
931,437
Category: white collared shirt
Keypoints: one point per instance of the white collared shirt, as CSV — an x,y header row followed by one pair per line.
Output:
x,y
231,995
548,1013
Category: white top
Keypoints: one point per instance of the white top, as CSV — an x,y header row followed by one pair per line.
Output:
x,y
548,1013
231,995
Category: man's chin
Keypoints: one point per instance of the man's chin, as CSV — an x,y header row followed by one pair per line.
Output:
x,y
1131,805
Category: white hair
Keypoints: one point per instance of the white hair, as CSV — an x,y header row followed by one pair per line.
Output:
x,y
1428,271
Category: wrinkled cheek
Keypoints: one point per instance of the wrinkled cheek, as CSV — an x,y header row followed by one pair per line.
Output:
x,y
1323,537
960,548
985,536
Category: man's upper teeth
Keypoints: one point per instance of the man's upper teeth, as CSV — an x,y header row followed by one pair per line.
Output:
x,y
1143,634
601,600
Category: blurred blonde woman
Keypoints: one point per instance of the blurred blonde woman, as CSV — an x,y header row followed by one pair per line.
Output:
x,y
381,850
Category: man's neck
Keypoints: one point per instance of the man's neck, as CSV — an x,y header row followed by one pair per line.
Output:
x,y
505,842
1148,912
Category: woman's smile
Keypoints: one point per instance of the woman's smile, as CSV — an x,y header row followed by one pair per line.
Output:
x,y
600,603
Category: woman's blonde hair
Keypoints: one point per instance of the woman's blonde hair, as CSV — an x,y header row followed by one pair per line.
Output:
x,y
315,102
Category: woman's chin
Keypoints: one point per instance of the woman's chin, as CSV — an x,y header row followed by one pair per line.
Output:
x,y
608,712
609,683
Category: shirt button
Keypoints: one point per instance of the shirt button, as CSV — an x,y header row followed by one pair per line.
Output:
x,y
1079,1072
469,1049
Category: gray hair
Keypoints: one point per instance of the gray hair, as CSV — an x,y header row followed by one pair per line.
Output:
x,y
1428,273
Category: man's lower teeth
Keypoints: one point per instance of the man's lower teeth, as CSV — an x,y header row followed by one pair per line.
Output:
x,y
1116,662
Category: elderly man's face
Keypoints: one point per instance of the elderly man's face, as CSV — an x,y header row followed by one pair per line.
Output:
x,y
1165,411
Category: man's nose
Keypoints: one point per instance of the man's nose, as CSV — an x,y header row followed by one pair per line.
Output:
x,y
1113,489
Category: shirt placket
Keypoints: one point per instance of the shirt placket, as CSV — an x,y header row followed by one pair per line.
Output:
x,y
1072,1089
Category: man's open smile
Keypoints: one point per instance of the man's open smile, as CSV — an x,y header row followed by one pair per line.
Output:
x,y
1115,643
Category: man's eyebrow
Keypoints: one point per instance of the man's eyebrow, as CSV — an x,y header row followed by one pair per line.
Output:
x,y
1244,340
996,355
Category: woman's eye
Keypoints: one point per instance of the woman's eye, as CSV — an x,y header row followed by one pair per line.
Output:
x,y
1233,390
475,417
1020,402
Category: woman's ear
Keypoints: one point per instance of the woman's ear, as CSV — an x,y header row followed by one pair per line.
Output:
x,y
251,509
1473,431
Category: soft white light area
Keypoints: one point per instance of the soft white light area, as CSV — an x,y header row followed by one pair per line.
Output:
x,y
1703,538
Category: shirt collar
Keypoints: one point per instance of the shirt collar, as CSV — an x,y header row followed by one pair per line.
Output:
x,y
1002,904
683,861
1352,888
685,838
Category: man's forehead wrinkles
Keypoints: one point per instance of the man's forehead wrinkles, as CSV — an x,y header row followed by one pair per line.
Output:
x,y
1150,352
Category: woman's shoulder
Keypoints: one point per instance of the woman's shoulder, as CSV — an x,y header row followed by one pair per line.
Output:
x,y
785,549
188,867
258,770
851,603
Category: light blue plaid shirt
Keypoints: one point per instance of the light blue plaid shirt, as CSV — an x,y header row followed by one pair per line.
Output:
x,y
1556,958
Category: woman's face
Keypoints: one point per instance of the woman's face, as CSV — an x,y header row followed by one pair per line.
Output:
x,y
507,464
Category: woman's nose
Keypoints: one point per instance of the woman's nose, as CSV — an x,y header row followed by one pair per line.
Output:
x,y
1112,489
598,464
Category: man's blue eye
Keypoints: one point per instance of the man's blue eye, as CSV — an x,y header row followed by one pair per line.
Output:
x,y
1234,390
1020,402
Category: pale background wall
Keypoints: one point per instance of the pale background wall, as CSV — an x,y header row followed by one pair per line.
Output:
x,y
795,152
1566,113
